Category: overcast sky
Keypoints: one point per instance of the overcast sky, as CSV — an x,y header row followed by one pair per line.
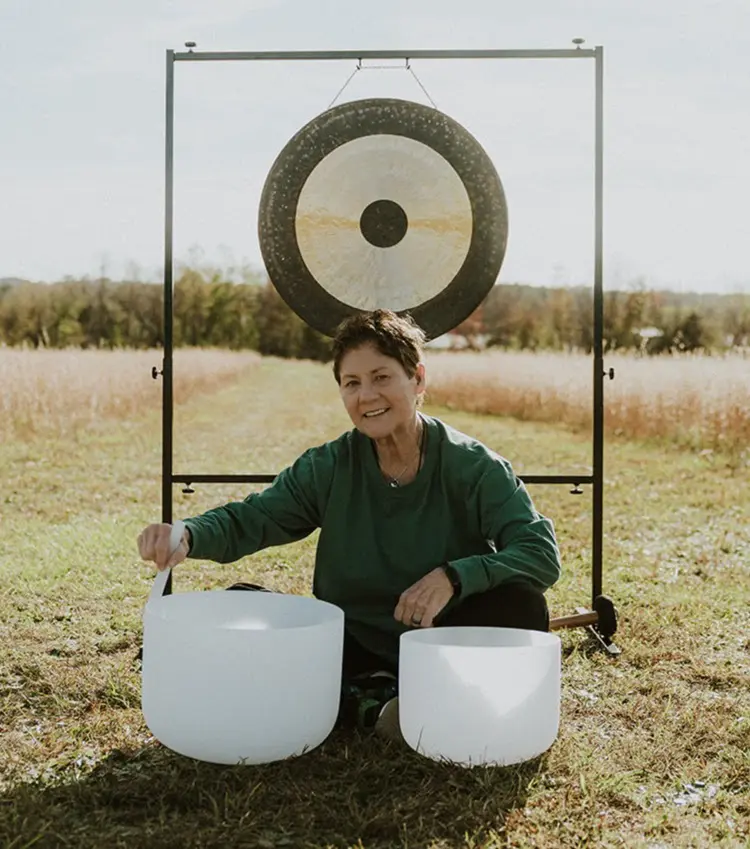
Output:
x,y
82,127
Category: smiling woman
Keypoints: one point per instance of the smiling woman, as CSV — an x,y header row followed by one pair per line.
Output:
x,y
381,386
420,525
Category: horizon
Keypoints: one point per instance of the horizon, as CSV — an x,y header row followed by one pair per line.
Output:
x,y
259,277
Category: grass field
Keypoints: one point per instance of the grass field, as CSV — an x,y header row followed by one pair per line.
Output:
x,y
65,393
694,401
654,746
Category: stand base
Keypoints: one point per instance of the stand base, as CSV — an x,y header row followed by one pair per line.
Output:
x,y
601,623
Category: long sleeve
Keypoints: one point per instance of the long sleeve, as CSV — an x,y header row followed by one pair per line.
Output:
x,y
525,543
287,511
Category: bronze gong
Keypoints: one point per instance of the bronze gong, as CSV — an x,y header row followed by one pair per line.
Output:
x,y
383,203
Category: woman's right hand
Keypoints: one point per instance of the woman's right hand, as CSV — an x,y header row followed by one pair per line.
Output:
x,y
153,545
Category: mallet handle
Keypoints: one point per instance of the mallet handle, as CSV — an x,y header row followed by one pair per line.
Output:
x,y
576,620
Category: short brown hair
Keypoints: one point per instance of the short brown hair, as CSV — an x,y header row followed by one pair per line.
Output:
x,y
393,335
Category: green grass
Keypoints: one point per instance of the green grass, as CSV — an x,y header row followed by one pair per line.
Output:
x,y
654,746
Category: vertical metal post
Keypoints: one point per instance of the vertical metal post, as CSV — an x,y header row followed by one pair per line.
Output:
x,y
598,458
167,371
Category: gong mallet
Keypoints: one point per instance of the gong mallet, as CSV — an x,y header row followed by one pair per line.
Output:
x,y
601,622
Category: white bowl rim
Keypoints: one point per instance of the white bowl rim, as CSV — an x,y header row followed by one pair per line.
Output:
x,y
332,613
441,638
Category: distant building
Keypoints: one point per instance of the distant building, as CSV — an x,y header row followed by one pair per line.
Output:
x,y
648,332
440,343
458,342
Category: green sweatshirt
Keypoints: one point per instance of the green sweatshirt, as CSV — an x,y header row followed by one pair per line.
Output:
x,y
465,507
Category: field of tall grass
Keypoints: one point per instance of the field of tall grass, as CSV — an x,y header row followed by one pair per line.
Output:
x,y
61,392
654,745
696,402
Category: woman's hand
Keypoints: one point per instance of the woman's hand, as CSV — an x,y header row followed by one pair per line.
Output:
x,y
153,545
421,603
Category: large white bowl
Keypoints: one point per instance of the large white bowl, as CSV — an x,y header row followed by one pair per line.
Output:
x,y
479,696
241,677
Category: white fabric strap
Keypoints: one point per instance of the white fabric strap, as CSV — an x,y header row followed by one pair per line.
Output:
x,y
175,538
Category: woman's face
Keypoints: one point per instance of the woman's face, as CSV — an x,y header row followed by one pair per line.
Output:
x,y
378,394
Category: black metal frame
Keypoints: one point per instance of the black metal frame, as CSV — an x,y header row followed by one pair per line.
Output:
x,y
596,479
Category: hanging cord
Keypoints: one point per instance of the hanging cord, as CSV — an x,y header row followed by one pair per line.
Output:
x,y
419,83
348,80
361,67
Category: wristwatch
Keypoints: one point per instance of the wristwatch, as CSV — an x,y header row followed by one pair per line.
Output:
x,y
454,578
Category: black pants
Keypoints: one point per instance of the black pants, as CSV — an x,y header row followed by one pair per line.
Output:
x,y
513,605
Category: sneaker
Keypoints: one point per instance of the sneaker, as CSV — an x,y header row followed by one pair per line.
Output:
x,y
364,696
388,726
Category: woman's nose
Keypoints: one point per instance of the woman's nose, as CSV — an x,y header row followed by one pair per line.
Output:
x,y
367,391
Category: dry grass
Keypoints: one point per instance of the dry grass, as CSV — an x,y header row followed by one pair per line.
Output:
x,y
654,746
61,392
697,402
701,403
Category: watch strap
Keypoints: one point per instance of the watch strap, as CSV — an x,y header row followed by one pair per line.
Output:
x,y
453,577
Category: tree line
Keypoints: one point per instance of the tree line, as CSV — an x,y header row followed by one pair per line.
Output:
x,y
208,311
211,311
638,319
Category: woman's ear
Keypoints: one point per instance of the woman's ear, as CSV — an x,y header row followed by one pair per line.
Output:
x,y
420,376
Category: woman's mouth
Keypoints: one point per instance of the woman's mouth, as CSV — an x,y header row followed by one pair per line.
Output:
x,y
374,413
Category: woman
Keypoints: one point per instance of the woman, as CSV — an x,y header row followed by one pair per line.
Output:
x,y
420,525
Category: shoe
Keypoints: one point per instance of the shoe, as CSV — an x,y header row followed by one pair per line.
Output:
x,y
364,696
388,726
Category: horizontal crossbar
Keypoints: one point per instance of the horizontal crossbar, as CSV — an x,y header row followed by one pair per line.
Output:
x,y
265,55
577,480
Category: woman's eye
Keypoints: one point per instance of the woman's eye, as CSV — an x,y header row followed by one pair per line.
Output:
x,y
381,377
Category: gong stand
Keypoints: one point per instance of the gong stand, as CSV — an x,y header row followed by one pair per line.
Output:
x,y
601,618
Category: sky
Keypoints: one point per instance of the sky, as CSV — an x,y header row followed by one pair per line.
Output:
x,y
82,128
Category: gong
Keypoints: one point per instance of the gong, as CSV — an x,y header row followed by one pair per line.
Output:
x,y
383,204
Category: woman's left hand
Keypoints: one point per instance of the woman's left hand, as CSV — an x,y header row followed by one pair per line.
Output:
x,y
422,602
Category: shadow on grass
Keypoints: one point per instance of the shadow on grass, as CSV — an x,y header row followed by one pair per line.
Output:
x,y
353,791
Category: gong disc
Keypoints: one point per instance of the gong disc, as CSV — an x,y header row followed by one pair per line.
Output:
x,y
383,203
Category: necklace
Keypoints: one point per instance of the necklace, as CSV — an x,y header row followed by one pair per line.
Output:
x,y
395,482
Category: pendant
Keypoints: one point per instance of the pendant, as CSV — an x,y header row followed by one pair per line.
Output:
x,y
393,484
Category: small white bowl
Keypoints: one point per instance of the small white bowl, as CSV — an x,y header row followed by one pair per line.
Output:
x,y
479,696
